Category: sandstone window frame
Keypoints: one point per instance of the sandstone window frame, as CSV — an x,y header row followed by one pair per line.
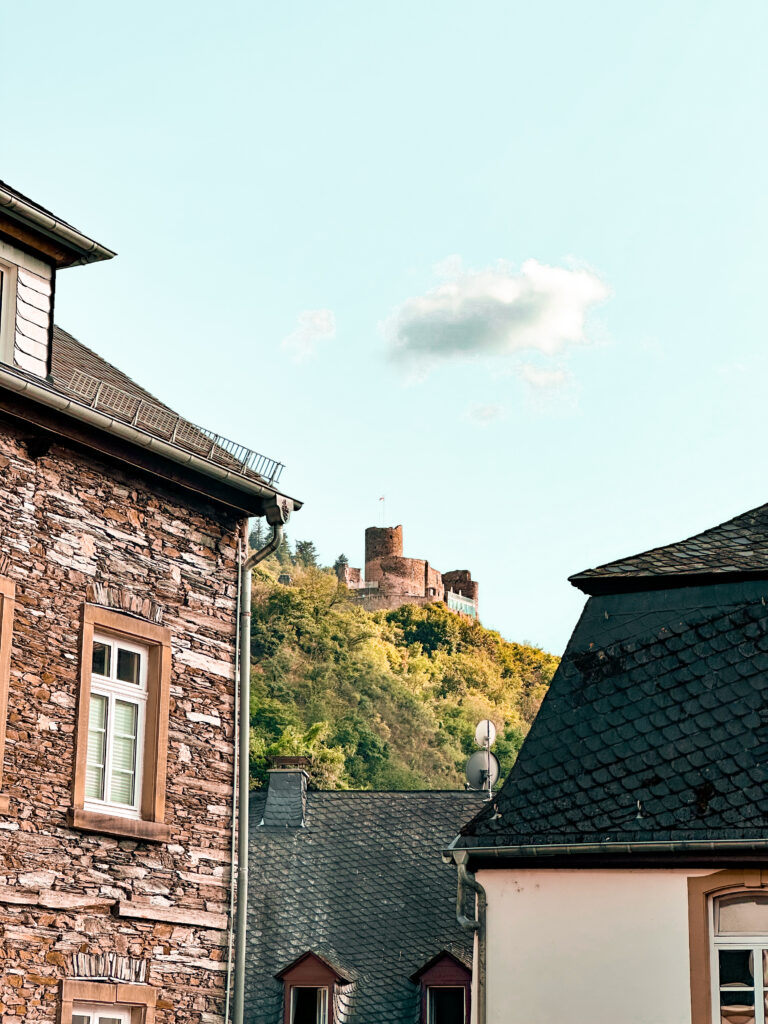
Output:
x,y
150,825
702,890
140,1000
7,606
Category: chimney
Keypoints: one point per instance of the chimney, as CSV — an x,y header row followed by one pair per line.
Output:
x,y
286,793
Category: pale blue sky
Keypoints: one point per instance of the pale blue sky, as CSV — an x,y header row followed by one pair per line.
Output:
x,y
251,162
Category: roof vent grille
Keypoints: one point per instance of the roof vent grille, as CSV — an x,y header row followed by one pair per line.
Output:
x,y
160,422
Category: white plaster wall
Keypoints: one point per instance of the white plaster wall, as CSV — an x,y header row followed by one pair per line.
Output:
x,y
587,947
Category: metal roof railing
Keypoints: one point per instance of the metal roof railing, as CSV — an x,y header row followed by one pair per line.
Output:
x,y
165,424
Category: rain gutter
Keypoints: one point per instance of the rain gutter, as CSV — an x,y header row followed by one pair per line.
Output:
x,y
88,250
53,399
573,849
476,924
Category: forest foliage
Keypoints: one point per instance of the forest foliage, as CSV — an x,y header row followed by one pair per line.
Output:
x,y
384,700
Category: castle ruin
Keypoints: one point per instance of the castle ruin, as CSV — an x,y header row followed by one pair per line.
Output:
x,y
391,580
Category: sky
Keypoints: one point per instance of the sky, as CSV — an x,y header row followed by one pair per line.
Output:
x,y
502,264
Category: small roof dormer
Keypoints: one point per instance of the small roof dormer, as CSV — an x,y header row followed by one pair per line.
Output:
x,y
34,244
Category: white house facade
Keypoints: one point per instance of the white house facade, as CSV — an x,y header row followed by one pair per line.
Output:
x,y
620,875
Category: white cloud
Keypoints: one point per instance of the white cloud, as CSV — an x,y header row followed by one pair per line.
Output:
x,y
483,415
495,312
313,326
542,378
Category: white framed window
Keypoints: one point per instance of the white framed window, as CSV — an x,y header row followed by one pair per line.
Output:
x,y
7,310
739,951
100,1013
309,1005
116,721
446,1004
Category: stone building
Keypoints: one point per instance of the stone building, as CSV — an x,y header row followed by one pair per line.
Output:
x,y
121,531
391,580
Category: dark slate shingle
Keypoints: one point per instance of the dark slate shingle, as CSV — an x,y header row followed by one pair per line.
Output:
x,y
735,548
362,885
655,727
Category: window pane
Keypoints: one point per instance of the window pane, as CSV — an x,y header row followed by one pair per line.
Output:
x,y
81,1018
446,1005
736,967
97,737
128,666
110,1020
101,658
743,914
121,790
737,1014
737,996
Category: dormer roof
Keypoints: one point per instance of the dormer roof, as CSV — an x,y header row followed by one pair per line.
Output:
x,y
44,232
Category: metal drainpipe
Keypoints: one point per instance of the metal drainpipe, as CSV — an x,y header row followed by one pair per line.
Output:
x,y
276,516
242,545
476,925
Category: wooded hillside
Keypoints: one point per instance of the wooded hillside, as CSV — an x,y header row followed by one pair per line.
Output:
x,y
387,700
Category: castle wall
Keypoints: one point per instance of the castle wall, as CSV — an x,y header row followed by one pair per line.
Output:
x,y
68,523
350,577
460,582
382,541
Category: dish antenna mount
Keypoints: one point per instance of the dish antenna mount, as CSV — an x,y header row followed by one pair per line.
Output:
x,y
483,768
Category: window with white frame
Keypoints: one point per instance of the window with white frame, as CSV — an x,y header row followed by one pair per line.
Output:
x,y
740,958
100,1013
117,713
309,1005
7,310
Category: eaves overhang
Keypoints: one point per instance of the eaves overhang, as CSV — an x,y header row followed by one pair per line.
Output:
x,y
79,248
609,854
134,446
601,585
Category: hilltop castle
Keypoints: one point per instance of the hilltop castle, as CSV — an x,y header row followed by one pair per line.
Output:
x,y
391,580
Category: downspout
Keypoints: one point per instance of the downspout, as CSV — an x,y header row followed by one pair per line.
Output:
x,y
242,543
277,514
473,924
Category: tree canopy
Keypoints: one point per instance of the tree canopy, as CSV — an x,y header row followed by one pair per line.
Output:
x,y
385,700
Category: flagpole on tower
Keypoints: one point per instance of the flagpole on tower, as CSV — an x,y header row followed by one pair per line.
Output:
x,y
383,509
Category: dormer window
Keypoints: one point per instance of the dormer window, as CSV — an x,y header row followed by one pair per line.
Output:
x,y
310,984
446,985
309,1004
446,1004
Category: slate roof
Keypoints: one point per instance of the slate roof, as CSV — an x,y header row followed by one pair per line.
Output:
x,y
362,885
71,359
734,549
69,354
655,727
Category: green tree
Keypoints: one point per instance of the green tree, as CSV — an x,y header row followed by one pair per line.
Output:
x,y
306,554
388,700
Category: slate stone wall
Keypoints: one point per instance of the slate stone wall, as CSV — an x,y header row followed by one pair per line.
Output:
x,y
69,522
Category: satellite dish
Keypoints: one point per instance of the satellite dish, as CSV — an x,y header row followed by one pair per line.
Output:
x,y
485,733
482,770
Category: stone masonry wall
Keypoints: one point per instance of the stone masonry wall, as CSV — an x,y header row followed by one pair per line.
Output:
x,y
460,582
68,521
